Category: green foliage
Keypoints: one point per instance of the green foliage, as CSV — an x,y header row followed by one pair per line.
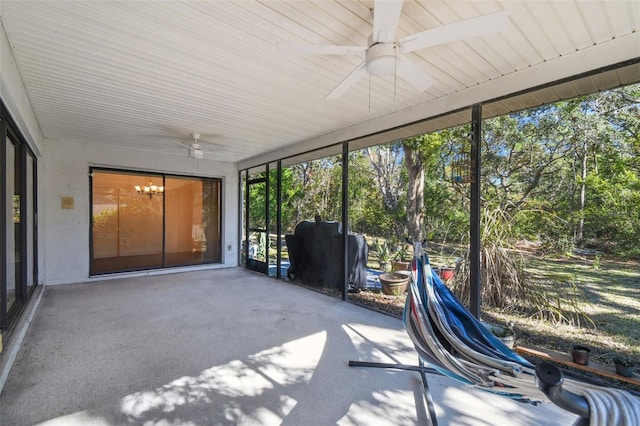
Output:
x,y
401,254
503,279
311,188
623,361
382,250
569,170
564,175
613,215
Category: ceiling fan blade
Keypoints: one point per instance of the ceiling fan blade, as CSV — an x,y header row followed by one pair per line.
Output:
x,y
349,81
386,14
212,147
410,72
311,49
181,144
468,28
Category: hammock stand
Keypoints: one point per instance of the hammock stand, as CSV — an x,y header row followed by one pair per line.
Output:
x,y
420,368
455,344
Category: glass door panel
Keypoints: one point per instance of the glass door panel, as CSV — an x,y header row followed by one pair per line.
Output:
x,y
274,239
29,220
191,225
144,221
14,217
127,226
256,211
18,269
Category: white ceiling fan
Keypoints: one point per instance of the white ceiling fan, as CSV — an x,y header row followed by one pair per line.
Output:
x,y
197,149
384,55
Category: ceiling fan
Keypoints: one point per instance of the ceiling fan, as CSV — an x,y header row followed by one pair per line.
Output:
x,y
384,54
197,149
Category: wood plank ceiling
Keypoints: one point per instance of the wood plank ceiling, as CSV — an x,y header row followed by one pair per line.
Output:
x,y
147,74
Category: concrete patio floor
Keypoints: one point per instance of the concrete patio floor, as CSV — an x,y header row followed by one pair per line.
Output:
x,y
227,347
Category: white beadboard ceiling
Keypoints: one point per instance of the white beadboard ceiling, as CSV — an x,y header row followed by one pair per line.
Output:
x,y
146,74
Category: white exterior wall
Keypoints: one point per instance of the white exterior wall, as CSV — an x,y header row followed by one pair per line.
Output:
x,y
17,102
15,96
66,171
63,170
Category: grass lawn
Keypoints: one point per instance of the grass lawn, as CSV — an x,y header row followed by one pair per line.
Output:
x,y
611,290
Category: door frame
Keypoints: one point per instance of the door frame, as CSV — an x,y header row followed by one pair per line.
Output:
x,y
250,263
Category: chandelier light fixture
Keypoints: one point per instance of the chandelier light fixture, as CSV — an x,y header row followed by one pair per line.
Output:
x,y
149,190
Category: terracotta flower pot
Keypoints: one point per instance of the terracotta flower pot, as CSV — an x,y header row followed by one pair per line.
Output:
x,y
394,283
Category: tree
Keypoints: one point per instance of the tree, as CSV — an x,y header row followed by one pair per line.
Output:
x,y
318,186
566,161
386,163
420,153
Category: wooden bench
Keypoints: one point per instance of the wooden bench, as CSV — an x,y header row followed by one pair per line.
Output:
x,y
592,367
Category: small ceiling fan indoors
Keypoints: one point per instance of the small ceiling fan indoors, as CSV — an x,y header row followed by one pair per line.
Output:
x,y
384,54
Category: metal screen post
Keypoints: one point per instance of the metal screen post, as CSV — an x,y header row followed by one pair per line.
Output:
x,y
279,220
474,213
345,220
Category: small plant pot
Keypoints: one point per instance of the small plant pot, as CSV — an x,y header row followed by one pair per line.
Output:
x,y
400,265
447,273
504,334
394,283
625,370
580,354
509,341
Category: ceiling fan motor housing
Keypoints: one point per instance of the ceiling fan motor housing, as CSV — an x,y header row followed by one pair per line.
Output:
x,y
196,152
381,59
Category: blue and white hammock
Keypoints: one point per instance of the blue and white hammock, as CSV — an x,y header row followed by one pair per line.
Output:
x,y
449,339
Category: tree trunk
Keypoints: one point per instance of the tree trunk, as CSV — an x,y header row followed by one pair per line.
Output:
x,y
383,159
415,193
583,192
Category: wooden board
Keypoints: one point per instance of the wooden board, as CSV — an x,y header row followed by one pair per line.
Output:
x,y
592,367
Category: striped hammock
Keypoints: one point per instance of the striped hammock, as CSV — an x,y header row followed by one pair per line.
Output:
x,y
452,341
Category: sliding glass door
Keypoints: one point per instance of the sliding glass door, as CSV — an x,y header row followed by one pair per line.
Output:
x,y
148,221
18,239
12,227
127,227
192,222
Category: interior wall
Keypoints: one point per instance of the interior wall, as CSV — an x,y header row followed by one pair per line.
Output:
x,y
66,173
